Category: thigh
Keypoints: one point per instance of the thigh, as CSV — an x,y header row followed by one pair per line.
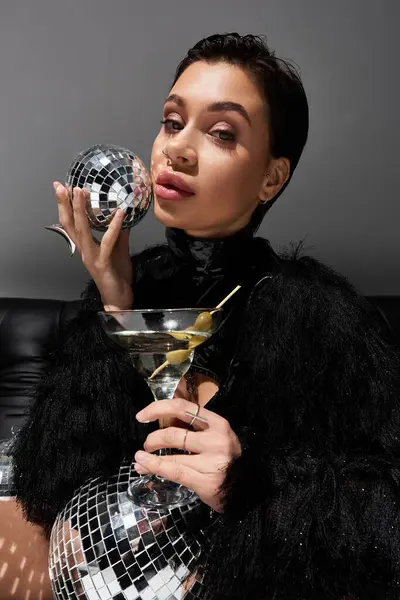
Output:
x,y
23,557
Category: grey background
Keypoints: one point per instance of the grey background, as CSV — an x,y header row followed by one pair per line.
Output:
x,y
78,72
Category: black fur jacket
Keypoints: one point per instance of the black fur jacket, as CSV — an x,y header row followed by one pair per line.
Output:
x,y
310,381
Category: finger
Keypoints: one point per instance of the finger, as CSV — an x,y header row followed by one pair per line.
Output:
x,y
123,238
112,234
192,461
65,212
178,407
173,470
176,437
197,421
82,228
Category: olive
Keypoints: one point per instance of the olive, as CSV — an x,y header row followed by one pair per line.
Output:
x,y
203,322
196,340
180,335
177,357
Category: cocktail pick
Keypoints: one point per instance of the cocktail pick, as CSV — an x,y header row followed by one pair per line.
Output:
x,y
167,362
237,288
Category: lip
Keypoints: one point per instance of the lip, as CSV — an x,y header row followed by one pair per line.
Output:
x,y
165,178
165,193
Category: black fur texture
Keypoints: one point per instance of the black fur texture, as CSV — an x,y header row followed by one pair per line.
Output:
x,y
312,505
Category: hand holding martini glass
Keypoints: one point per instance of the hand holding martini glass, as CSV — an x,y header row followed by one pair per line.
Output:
x,y
161,344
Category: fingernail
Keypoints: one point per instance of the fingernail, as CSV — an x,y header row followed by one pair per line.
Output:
x,y
138,467
55,184
139,417
141,457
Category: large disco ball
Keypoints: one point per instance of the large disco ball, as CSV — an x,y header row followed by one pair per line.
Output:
x,y
6,472
103,547
114,177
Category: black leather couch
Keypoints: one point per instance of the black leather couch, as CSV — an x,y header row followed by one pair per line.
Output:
x,y
29,329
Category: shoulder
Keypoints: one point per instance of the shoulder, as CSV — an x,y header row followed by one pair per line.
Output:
x,y
303,283
310,340
308,305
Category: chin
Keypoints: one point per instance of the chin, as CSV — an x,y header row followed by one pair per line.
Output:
x,y
167,216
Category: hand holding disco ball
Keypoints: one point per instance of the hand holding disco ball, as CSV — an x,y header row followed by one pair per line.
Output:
x,y
112,177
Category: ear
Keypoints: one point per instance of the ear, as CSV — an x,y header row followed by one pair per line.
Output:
x,y
276,177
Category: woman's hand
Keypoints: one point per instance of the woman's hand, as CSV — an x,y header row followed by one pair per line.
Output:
x,y
108,261
213,446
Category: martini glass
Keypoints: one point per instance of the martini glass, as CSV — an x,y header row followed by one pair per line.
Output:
x,y
161,344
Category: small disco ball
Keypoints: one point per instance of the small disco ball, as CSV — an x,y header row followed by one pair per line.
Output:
x,y
6,473
104,547
115,178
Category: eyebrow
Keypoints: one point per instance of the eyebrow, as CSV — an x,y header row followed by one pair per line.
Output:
x,y
221,106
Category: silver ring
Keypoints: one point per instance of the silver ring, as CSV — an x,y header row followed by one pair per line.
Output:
x,y
195,416
184,440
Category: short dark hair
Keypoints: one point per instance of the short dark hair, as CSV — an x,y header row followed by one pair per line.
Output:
x,y
277,80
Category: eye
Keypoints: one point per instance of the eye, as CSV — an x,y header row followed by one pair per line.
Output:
x,y
167,122
172,126
225,136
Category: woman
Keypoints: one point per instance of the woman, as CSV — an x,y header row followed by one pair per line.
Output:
x,y
300,388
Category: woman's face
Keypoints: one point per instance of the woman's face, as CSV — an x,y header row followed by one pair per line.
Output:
x,y
221,151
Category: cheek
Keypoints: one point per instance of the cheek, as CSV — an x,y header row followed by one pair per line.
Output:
x,y
229,178
156,152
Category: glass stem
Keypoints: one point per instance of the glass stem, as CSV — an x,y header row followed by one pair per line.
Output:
x,y
162,390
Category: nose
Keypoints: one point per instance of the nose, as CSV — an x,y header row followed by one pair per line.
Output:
x,y
180,153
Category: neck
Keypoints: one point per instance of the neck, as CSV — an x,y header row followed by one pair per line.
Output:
x,y
210,254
